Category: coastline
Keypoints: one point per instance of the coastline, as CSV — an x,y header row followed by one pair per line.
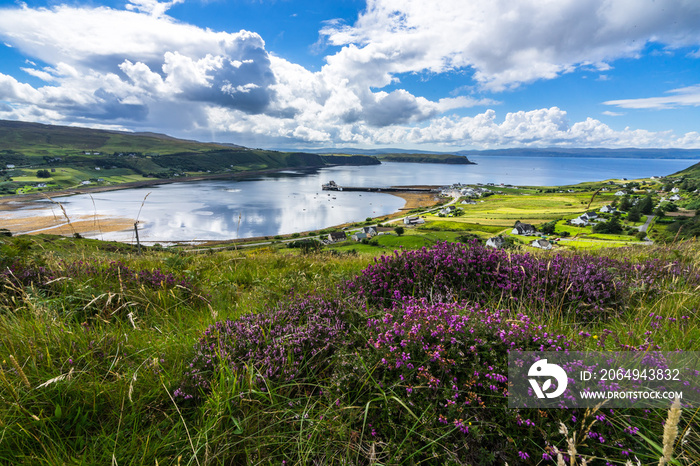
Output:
x,y
93,225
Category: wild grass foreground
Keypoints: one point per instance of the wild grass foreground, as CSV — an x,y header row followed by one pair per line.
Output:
x,y
274,357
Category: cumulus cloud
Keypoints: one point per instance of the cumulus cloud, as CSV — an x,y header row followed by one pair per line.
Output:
x,y
128,64
683,97
131,64
506,43
138,67
546,127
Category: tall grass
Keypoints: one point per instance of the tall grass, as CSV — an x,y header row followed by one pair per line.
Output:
x,y
91,359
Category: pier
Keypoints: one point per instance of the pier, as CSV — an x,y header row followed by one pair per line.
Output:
x,y
332,186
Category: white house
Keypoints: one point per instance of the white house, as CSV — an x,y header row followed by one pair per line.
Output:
x,y
675,190
608,209
10,166
541,243
584,219
86,182
675,197
620,193
523,229
496,242
413,220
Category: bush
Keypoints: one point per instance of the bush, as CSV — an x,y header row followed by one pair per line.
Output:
x,y
582,287
612,226
292,342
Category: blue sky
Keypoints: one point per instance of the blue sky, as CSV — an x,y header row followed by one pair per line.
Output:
x,y
447,75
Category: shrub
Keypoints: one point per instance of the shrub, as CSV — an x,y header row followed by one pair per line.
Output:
x,y
583,287
448,363
291,342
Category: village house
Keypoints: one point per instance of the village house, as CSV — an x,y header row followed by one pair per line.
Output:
x,y
584,219
523,229
336,236
469,202
360,236
369,231
675,190
413,221
675,197
496,242
608,209
541,244
448,210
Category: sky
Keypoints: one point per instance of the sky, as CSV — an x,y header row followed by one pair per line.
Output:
x,y
411,74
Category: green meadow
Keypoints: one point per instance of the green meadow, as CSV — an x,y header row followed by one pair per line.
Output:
x,y
97,339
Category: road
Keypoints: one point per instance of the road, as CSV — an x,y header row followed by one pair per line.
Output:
x,y
647,223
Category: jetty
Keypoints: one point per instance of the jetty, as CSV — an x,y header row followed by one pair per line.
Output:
x,y
333,186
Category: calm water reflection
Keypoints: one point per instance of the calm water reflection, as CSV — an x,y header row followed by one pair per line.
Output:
x,y
292,201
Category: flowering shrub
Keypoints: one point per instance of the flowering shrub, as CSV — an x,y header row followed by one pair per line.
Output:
x,y
451,360
587,287
424,372
288,343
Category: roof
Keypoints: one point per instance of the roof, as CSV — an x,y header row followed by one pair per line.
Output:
x,y
495,241
523,228
541,243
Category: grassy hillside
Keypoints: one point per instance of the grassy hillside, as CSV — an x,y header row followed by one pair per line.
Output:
x,y
72,156
34,139
276,357
690,172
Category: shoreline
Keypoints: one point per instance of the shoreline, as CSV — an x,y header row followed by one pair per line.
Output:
x,y
59,223
137,184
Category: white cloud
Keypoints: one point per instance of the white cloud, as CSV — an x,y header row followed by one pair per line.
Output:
x,y
682,97
612,114
151,7
140,68
506,43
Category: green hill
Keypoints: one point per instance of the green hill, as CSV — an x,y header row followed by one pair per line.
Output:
x,y
691,172
71,156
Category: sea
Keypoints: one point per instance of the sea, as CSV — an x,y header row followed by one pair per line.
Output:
x,y
292,201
